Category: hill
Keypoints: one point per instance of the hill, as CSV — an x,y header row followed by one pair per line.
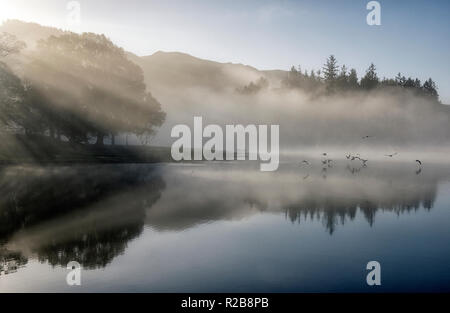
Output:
x,y
182,70
163,69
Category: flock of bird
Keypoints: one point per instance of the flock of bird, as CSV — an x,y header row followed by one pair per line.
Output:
x,y
326,162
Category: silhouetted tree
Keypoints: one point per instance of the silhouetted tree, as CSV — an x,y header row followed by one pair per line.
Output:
x,y
400,80
388,82
254,87
430,89
91,88
330,69
13,96
370,80
348,80
342,79
353,79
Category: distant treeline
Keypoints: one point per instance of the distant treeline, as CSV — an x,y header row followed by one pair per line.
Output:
x,y
333,78
337,78
76,88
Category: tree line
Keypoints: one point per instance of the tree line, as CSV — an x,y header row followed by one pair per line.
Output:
x,y
333,78
76,88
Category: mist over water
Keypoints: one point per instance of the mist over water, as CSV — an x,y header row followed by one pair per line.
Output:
x,y
392,118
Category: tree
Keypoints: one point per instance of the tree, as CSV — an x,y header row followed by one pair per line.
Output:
x,y
430,89
370,80
254,87
400,80
342,79
409,83
330,73
9,44
330,69
417,83
91,89
353,79
13,96
389,82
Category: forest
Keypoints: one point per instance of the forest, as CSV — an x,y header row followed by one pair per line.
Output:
x,y
77,89
333,78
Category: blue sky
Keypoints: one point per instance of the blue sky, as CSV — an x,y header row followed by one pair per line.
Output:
x,y
413,37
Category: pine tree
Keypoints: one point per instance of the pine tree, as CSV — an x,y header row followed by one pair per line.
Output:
x,y
330,69
370,80
342,79
409,83
417,83
430,89
353,79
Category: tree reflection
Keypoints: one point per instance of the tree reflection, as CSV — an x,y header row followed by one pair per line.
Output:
x,y
234,194
334,211
90,213
86,214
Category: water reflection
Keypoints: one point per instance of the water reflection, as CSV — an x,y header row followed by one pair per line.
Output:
x,y
10,262
90,213
85,213
206,193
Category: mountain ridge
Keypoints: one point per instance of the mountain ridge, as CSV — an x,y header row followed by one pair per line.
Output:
x,y
164,69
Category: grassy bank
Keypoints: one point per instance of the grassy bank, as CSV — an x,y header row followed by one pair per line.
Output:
x,y
15,149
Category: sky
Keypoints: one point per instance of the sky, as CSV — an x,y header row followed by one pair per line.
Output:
x,y
413,37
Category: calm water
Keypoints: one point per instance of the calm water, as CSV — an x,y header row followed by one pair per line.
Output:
x,y
226,227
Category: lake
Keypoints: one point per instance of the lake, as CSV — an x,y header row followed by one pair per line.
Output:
x,y
225,227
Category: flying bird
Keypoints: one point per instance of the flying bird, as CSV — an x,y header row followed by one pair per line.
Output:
x,y
419,162
305,162
324,154
367,137
391,155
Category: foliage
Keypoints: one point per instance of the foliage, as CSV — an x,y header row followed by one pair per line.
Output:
x,y
85,86
335,80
